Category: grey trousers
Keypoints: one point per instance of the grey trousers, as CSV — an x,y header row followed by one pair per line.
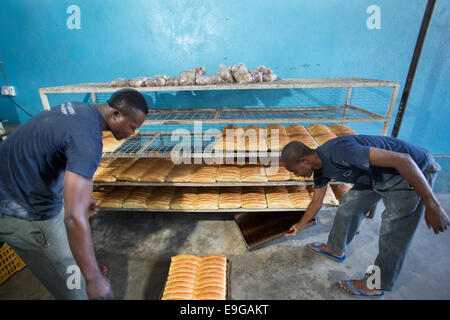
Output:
x,y
44,247
404,210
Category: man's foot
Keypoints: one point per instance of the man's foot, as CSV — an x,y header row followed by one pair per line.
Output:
x,y
320,247
359,288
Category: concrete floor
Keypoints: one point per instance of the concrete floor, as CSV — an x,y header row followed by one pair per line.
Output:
x,y
137,248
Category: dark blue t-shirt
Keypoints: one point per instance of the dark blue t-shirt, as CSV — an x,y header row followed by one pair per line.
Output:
x,y
36,155
346,159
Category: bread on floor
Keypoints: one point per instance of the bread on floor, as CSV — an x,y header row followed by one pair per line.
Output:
x,y
194,278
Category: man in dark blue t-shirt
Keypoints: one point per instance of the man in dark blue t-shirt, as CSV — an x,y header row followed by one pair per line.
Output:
x,y
396,171
46,189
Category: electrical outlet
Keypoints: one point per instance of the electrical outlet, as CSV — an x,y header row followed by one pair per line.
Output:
x,y
8,91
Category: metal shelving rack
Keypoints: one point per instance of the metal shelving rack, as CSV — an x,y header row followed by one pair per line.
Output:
x,y
160,144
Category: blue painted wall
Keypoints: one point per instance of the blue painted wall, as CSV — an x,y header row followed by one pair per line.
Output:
x,y
311,39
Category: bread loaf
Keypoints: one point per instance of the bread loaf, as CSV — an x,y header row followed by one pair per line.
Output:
x,y
204,174
160,199
207,198
138,198
253,173
116,197
274,129
138,169
296,129
278,173
192,277
230,198
320,133
184,199
253,198
158,172
341,129
180,173
228,173
299,196
278,198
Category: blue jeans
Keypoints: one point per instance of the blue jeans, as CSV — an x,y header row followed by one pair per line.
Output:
x,y
400,219
44,247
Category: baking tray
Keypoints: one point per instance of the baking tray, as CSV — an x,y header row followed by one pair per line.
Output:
x,y
228,296
263,228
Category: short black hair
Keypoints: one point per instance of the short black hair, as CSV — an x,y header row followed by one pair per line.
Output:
x,y
293,152
127,97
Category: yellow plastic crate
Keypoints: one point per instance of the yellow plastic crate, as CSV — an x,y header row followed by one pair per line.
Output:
x,y
10,262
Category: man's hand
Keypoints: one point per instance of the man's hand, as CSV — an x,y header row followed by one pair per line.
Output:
x,y
294,230
99,288
436,218
93,209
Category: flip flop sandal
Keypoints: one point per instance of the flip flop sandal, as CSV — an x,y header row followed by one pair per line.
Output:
x,y
358,293
320,251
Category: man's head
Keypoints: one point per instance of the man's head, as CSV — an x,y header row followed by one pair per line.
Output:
x,y
298,158
129,111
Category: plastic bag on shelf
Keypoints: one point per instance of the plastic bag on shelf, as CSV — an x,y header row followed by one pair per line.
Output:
x,y
201,71
257,76
241,74
203,80
161,80
120,82
216,79
225,74
149,82
172,82
268,75
187,78
269,78
137,82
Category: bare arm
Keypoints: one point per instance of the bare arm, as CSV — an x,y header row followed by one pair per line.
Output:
x,y
435,216
311,211
78,205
